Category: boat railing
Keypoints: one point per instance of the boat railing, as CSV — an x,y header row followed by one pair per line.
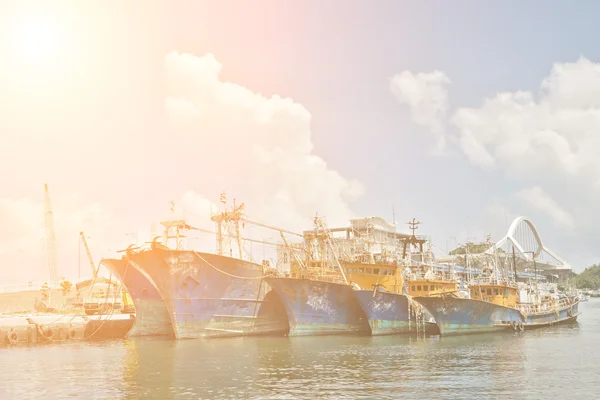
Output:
x,y
545,307
324,278
483,281
419,276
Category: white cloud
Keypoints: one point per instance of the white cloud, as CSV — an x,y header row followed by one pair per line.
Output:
x,y
554,132
547,141
260,147
426,96
539,200
125,168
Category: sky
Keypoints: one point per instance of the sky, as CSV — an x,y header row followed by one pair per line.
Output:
x,y
461,114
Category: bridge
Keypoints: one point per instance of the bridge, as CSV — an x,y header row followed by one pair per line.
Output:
x,y
522,245
524,241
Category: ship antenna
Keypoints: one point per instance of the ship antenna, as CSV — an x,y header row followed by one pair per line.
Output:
x,y
414,225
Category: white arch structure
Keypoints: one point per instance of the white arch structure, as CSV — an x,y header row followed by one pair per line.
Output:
x,y
510,238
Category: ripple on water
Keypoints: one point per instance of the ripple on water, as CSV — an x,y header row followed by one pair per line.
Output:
x,y
546,363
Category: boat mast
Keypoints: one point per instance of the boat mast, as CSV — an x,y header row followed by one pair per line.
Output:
x,y
514,261
323,235
174,229
413,226
224,220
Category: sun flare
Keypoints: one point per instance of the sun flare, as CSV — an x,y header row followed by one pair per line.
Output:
x,y
36,39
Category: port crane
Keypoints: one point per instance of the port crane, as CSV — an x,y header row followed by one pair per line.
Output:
x,y
89,255
50,237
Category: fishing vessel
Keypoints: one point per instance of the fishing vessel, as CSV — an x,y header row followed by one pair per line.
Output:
x,y
550,311
152,315
491,306
385,295
583,296
205,294
543,305
318,298
498,302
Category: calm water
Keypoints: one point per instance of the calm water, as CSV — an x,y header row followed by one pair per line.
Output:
x,y
558,362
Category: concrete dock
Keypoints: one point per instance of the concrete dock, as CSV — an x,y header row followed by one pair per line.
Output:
x,y
32,329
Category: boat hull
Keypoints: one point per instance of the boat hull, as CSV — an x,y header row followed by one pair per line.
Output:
x,y
319,308
390,313
455,316
152,315
564,315
208,295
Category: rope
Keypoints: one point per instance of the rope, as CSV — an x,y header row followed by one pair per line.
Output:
x,y
226,273
39,326
49,338
106,300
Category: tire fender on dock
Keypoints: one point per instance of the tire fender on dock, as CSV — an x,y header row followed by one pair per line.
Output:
x,y
12,337
46,333
72,332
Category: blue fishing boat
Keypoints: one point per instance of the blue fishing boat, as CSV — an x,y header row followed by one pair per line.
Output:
x,y
551,310
152,315
455,315
388,305
204,294
390,313
317,307
318,298
210,295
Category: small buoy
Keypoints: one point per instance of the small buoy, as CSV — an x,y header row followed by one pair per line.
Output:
x,y
12,337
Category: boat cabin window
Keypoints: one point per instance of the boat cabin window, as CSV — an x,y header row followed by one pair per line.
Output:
x,y
412,288
376,271
505,292
368,270
425,288
495,291
489,292
361,270
419,288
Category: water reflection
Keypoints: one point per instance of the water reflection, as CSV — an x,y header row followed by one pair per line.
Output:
x,y
148,369
554,362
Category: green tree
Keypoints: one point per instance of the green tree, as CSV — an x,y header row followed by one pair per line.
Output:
x,y
474,248
588,279
66,287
